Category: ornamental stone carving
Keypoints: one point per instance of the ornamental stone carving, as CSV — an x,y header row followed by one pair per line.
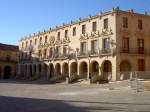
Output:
x,y
58,42
52,41
106,32
66,40
94,35
83,37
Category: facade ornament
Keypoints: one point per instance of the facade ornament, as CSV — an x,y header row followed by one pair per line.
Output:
x,y
106,32
83,37
66,40
58,42
94,35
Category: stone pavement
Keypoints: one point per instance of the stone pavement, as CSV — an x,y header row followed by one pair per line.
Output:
x,y
34,97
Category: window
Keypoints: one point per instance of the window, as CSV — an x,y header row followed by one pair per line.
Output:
x,y
64,50
26,44
125,44
30,42
83,29
22,44
106,23
94,26
40,40
58,51
74,31
141,65
51,51
35,42
45,53
140,24
8,58
66,33
83,47
45,39
125,22
94,46
140,46
106,44
58,36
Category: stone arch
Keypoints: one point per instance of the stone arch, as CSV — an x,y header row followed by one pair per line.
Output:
x,y
106,70
7,72
73,68
125,66
65,69
58,69
83,69
45,69
94,68
51,67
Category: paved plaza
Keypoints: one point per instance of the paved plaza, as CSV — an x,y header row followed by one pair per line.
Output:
x,y
39,97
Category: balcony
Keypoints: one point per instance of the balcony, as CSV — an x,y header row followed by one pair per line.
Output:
x,y
134,51
93,52
82,54
106,52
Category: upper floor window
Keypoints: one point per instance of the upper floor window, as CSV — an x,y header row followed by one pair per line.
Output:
x,y
106,23
83,29
22,44
140,46
66,33
106,43
40,40
83,47
30,42
74,31
8,58
125,22
35,42
94,45
26,44
125,44
94,26
45,39
58,36
140,24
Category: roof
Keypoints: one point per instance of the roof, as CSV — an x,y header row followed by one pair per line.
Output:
x,y
6,47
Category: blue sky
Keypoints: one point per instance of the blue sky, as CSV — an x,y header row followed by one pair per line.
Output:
x,y
19,18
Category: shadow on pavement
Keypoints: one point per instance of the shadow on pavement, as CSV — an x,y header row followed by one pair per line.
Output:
x,y
15,104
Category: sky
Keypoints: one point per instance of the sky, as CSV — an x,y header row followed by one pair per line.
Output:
x,y
19,18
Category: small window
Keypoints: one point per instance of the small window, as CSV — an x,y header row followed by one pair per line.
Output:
x,y
125,22
106,23
125,44
94,26
140,25
58,36
35,42
26,44
83,29
74,31
66,33
45,39
40,40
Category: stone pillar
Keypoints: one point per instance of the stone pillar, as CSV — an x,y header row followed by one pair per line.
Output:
x,y
69,73
88,70
78,69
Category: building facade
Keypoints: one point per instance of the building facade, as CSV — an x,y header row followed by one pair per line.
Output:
x,y
99,48
8,61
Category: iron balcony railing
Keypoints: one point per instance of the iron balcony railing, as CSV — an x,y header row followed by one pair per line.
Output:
x,y
141,51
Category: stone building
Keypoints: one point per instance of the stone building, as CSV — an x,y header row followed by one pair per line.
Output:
x,y
8,61
99,48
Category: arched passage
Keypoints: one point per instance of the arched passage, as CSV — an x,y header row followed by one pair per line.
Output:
x,y
40,69
125,69
83,70
7,72
30,70
45,68
94,68
58,69
51,67
34,69
125,66
73,68
65,69
106,70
